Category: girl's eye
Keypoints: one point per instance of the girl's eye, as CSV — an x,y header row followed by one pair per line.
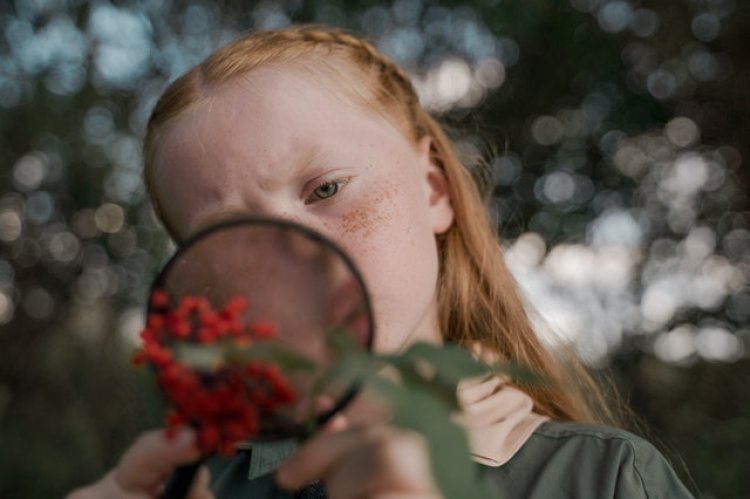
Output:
x,y
326,190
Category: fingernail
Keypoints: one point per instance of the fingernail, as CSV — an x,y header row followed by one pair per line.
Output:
x,y
336,423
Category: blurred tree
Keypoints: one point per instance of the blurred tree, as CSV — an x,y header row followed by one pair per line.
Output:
x,y
615,132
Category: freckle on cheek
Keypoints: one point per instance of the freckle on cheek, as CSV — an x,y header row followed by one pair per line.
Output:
x,y
365,220
362,221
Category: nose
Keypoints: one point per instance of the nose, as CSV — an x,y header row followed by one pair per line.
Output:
x,y
298,217
282,215
274,210
278,210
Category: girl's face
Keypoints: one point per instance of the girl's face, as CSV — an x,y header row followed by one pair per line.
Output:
x,y
279,143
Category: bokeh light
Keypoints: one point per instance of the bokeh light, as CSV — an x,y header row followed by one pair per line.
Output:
x,y
610,135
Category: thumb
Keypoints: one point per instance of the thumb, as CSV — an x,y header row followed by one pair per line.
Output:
x,y
338,422
149,461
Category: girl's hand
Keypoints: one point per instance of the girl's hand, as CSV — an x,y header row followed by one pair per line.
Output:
x,y
146,466
367,462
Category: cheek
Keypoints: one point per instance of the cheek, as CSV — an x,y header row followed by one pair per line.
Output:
x,y
388,237
386,230
369,233
371,214
375,225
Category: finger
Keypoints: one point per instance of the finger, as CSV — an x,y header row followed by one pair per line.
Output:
x,y
346,479
201,483
396,463
106,487
150,460
313,459
338,422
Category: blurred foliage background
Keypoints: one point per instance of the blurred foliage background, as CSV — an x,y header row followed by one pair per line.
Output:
x,y
616,133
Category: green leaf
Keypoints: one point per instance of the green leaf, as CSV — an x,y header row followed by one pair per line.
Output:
x,y
451,362
208,357
444,389
348,370
201,358
417,409
342,341
272,353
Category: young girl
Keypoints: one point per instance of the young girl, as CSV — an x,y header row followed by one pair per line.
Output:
x,y
316,126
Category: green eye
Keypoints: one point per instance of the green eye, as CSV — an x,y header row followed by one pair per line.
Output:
x,y
326,190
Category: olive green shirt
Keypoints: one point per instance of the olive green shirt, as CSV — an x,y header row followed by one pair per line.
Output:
x,y
559,460
573,460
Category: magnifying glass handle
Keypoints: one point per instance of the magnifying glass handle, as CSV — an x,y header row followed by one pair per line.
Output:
x,y
181,480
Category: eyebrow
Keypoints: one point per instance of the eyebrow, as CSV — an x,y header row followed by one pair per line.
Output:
x,y
311,155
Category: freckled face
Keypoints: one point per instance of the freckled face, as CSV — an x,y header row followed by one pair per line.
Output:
x,y
278,143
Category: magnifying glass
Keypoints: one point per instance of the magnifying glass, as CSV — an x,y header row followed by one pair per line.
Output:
x,y
242,327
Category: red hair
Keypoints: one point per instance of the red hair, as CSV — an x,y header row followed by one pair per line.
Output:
x,y
478,301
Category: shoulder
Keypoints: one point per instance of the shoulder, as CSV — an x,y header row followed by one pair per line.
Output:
x,y
563,459
556,436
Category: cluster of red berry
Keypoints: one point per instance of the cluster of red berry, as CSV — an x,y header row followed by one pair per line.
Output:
x,y
225,403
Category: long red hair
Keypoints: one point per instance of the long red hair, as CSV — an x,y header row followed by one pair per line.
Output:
x,y
477,297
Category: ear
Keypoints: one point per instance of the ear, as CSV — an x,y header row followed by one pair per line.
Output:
x,y
436,188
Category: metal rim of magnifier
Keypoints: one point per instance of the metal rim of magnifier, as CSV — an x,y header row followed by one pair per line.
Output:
x,y
308,232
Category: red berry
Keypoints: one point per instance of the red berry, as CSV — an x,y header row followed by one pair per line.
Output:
x,y
235,431
188,304
147,335
226,448
139,358
224,406
207,334
208,317
234,327
262,329
208,437
249,419
178,325
175,419
236,305
157,354
159,299
202,303
155,321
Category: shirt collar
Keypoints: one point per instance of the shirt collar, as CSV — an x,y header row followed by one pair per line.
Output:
x,y
498,419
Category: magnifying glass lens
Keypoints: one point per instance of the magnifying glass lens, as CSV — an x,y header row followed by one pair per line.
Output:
x,y
240,327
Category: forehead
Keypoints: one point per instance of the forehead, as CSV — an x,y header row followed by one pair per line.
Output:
x,y
273,98
268,98
286,106
255,134
250,111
